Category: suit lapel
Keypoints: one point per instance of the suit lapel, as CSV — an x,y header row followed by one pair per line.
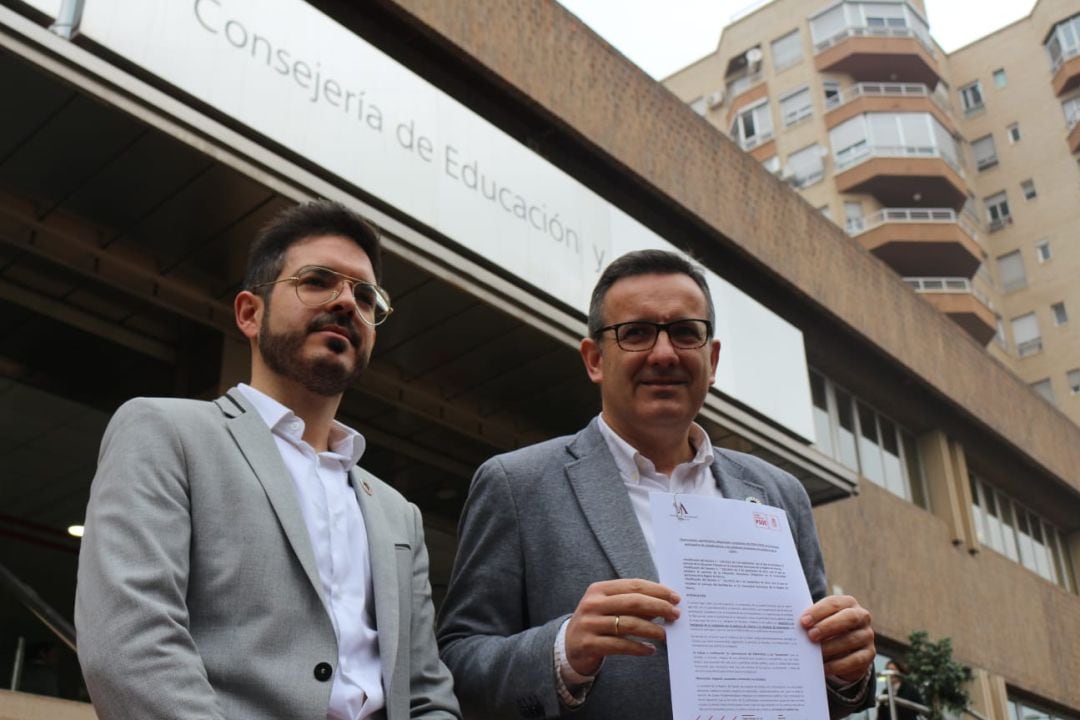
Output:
x,y
384,571
733,483
257,445
606,506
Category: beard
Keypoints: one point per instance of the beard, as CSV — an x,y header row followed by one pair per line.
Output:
x,y
327,376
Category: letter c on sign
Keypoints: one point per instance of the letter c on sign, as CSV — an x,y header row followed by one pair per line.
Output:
x,y
199,17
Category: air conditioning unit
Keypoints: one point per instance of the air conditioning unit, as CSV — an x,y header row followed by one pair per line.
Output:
x,y
714,99
787,174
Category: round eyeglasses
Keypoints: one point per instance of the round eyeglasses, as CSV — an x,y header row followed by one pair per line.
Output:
x,y
317,286
641,335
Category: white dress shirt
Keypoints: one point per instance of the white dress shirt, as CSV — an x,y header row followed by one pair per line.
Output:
x,y
639,475
339,538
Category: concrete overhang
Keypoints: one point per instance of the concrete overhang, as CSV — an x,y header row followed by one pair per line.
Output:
x,y
898,59
905,181
922,249
1067,76
967,311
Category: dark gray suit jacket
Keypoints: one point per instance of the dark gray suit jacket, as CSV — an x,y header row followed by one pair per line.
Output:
x,y
198,592
540,525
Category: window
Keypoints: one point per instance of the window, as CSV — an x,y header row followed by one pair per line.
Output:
x,y
999,78
891,135
1060,316
1043,388
772,163
753,126
1063,42
984,152
796,106
1028,188
787,50
1026,335
1042,251
971,98
806,166
1011,271
860,437
997,211
1013,131
1073,378
1008,527
832,93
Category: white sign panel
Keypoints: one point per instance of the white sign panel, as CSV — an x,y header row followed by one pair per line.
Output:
x,y
294,75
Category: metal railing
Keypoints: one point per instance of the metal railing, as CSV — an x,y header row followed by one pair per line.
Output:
x,y
1072,117
866,89
1064,57
54,621
743,83
857,226
877,32
759,139
861,153
1029,347
891,701
950,285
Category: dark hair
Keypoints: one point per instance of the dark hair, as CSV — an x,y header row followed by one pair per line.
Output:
x,y
643,262
299,222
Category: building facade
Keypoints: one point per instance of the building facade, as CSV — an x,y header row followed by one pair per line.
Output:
x,y
142,155
957,170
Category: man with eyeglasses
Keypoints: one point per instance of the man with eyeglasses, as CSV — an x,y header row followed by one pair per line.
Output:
x,y
553,607
236,562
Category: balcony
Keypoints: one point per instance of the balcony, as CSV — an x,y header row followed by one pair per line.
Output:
x,y
1072,122
872,53
957,298
865,97
921,241
899,176
1066,71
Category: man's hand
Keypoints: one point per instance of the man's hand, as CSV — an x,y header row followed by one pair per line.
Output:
x,y
611,610
842,627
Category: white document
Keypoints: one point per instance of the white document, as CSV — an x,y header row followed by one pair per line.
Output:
x,y
737,652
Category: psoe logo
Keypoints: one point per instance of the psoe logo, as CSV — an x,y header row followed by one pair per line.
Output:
x,y
766,521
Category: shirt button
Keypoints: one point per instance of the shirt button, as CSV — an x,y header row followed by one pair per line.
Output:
x,y
323,671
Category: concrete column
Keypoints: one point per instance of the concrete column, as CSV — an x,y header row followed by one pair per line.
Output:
x,y
989,696
941,468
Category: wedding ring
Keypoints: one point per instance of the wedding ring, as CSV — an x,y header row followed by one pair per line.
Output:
x,y
617,618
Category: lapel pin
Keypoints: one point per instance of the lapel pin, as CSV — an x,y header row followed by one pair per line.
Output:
x,y
367,488
752,499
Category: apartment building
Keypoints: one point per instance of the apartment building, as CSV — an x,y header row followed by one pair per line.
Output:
x,y
142,155
957,170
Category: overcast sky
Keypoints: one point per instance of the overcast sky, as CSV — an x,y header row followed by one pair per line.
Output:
x,y
662,36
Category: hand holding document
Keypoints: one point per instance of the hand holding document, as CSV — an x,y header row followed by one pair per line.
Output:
x,y
738,650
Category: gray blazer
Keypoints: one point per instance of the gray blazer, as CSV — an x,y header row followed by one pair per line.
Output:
x,y
540,525
198,593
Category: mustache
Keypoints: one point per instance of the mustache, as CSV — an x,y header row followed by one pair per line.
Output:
x,y
326,320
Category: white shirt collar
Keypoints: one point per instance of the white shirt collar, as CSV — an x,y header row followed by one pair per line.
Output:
x,y
631,463
344,441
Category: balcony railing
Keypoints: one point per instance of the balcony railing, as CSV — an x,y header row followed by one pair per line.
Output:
x,y
866,89
1066,55
743,83
1072,117
850,157
876,32
759,139
952,285
857,226
1029,347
